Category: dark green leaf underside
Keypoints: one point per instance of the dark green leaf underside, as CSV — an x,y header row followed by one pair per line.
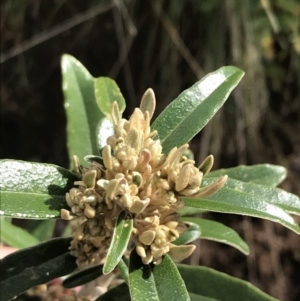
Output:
x,y
36,265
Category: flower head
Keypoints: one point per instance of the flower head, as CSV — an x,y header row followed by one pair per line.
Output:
x,y
136,176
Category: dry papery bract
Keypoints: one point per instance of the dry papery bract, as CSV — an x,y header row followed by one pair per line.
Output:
x,y
136,177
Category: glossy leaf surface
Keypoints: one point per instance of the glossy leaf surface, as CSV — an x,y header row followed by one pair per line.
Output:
x,y
107,91
194,107
287,201
105,129
36,265
263,174
83,113
157,283
216,231
120,239
15,236
33,190
213,284
257,203
83,276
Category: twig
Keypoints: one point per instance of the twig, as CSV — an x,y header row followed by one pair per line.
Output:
x,y
179,43
55,30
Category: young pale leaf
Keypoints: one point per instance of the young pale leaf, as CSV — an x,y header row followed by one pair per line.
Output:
x,y
118,245
194,107
257,203
105,129
36,265
157,283
213,230
81,107
82,277
33,190
107,91
15,236
263,174
213,284
192,233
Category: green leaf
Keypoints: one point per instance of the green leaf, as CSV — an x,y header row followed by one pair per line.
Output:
x,y
287,201
44,230
264,174
83,113
213,284
189,211
157,283
33,190
15,236
194,107
213,230
118,245
258,202
36,265
195,297
117,293
82,277
192,233
105,129
107,91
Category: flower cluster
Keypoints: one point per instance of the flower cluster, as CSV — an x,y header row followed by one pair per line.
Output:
x,y
135,176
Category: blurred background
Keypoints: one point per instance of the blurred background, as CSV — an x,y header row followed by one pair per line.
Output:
x,y
169,45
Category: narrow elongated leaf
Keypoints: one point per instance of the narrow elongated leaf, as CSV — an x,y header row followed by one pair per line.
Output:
x,y
194,107
33,190
192,233
118,293
195,297
287,201
15,236
83,113
233,199
216,231
36,265
120,239
157,283
44,230
189,211
82,277
213,284
263,174
107,91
